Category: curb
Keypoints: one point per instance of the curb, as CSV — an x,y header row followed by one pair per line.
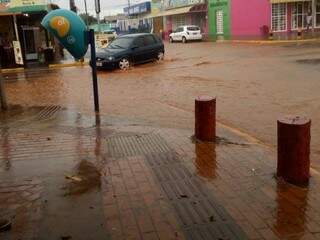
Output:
x,y
269,41
63,65
12,70
52,66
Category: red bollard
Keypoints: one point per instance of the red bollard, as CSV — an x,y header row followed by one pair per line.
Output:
x,y
294,150
205,119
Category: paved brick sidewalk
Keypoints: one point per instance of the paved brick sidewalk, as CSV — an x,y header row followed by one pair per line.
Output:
x,y
155,183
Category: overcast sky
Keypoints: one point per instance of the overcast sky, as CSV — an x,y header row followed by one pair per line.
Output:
x,y
108,7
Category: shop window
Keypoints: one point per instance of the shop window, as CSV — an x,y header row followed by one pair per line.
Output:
x,y
179,20
279,17
299,14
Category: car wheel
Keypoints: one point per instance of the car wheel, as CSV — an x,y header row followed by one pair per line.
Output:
x,y
171,40
184,40
124,64
160,56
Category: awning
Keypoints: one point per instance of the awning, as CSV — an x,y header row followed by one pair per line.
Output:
x,y
288,1
9,14
170,12
29,9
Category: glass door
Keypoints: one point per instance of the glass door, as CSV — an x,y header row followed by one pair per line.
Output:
x,y
219,19
30,35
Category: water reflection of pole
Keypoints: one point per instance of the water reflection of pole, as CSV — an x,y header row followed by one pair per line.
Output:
x,y
6,148
291,210
98,135
3,98
206,160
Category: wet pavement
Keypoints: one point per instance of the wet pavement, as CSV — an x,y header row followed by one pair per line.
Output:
x,y
255,85
137,173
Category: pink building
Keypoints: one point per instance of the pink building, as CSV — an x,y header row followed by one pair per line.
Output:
x,y
248,18
254,19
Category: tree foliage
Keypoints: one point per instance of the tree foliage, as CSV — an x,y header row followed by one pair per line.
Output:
x,y
88,18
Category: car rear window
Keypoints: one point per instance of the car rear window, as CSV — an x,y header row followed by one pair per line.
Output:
x,y
149,40
158,39
193,28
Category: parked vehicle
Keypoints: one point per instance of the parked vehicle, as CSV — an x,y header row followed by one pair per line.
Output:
x,y
185,34
130,49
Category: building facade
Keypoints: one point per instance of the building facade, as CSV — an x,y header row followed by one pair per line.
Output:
x,y
255,19
184,12
138,18
22,34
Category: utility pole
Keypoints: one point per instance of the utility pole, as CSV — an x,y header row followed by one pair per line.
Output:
x,y
98,10
313,7
3,98
129,7
73,6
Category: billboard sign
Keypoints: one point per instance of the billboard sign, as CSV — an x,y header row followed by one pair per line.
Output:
x,y
138,8
22,3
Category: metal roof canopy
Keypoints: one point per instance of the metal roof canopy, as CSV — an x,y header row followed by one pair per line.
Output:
x,y
175,11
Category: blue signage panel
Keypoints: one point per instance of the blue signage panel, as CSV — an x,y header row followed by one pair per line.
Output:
x,y
138,8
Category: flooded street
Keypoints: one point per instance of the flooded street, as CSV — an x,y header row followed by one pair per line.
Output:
x,y
254,84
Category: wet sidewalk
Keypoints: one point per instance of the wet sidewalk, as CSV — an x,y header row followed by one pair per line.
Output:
x,y
64,175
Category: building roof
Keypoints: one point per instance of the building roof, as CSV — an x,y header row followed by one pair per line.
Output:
x,y
12,8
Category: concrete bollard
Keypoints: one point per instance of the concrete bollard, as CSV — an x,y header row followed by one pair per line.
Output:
x,y
205,118
294,150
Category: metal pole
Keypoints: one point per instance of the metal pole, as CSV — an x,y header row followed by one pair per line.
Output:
x,y
94,70
98,22
87,17
16,27
313,7
3,98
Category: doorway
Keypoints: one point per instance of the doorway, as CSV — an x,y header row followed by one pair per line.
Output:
x,y
31,42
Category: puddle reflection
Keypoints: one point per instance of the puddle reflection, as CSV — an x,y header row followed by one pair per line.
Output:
x,y
6,149
206,160
291,210
97,149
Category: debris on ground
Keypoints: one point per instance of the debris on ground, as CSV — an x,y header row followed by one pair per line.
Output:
x,y
66,237
5,225
74,178
87,177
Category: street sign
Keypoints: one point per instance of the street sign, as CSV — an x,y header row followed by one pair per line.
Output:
x,y
97,6
17,52
69,29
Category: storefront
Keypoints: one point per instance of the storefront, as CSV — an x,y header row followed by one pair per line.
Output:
x,y
290,16
189,12
26,41
252,19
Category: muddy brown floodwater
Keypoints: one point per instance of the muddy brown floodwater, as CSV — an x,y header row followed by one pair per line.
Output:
x,y
254,85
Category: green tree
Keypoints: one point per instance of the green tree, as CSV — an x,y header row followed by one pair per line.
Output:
x,y
89,19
